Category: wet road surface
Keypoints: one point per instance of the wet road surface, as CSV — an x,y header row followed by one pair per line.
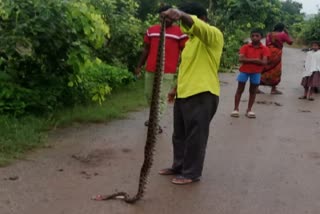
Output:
x,y
267,165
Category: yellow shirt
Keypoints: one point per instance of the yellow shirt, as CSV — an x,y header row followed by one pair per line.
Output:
x,y
200,60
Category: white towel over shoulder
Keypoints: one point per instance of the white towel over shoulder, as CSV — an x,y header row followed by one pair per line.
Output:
x,y
312,63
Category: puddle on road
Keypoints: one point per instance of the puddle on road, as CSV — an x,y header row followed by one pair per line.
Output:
x,y
269,103
304,111
314,155
125,150
94,157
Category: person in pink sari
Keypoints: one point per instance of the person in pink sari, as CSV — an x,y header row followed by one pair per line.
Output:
x,y
271,74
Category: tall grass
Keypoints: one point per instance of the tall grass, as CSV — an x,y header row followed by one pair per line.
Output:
x,y
18,135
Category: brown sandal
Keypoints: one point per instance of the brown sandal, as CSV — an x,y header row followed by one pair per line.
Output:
x,y
181,180
276,92
168,171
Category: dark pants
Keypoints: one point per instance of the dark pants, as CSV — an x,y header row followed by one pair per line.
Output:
x,y
192,117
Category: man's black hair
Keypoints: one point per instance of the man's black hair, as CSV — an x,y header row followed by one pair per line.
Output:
x,y
194,8
164,8
279,27
257,30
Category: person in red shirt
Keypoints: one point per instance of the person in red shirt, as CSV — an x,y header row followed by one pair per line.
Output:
x,y
253,57
175,41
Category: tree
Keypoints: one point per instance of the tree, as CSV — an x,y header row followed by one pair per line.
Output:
x,y
311,29
291,12
48,55
147,7
236,18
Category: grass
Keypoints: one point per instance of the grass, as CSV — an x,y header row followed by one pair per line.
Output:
x,y
17,136
117,105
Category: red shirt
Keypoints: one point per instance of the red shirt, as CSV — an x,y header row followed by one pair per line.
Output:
x,y
251,52
175,41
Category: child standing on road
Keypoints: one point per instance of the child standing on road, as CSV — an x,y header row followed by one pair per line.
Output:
x,y
253,57
311,74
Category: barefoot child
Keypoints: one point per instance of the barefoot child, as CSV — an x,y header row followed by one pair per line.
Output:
x,y
311,74
253,57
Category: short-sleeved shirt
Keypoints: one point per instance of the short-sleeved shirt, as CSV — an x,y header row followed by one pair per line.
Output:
x,y
251,52
175,41
312,63
277,39
200,60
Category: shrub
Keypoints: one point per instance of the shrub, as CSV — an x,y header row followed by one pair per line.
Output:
x,y
46,49
124,46
311,29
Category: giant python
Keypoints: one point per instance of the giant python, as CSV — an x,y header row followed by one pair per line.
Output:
x,y
152,128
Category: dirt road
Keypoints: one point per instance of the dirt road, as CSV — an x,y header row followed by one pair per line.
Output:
x,y
270,165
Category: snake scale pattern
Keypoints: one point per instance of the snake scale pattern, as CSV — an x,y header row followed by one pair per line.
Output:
x,y
152,127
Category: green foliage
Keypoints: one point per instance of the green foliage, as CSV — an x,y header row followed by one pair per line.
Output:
x,y
311,29
291,12
236,18
147,7
55,53
120,102
46,47
123,47
18,135
95,79
274,15
86,20
32,56
13,97
231,48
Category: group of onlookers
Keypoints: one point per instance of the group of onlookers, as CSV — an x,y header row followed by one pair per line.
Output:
x,y
198,47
